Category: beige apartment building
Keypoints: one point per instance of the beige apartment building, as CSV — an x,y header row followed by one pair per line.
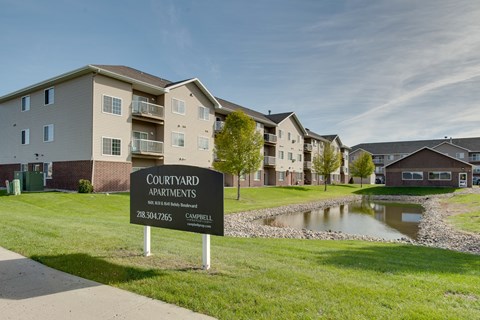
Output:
x,y
101,122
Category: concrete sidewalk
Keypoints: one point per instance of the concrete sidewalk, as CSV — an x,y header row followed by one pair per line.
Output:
x,y
30,290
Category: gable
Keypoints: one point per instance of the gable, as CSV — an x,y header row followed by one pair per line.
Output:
x,y
428,159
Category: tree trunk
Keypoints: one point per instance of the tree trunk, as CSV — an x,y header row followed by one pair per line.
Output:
x,y
361,182
238,187
325,185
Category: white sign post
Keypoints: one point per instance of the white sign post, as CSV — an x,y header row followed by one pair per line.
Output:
x,y
146,241
205,251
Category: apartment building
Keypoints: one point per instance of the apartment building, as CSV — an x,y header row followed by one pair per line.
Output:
x,y
385,153
101,122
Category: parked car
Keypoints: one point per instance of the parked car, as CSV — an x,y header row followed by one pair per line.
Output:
x,y
476,180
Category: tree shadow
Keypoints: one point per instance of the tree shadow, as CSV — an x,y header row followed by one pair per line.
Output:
x,y
403,259
408,191
297,188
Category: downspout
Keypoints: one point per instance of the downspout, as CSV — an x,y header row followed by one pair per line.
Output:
x,y
92,131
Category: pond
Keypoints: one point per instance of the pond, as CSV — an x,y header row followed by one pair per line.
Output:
x,y
378,219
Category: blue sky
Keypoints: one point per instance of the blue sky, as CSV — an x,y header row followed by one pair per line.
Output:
x,y
366,70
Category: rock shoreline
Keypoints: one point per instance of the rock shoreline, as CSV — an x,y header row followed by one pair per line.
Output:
x,y
434,231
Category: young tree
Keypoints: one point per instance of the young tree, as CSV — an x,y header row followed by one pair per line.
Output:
x,y
238,146
362,167
327,162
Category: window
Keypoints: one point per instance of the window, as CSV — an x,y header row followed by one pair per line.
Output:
x,y
299,176
439,175
299,157
280,133
476,169
49,96
203,113
26,136
112,105
24,167
409,175
178,139
48,170
111,146
25,103
280,155
203,143
140,135
281,175
258,175
48,133
290,156
243,177
460,155
390,157
289,136
259,126
178,106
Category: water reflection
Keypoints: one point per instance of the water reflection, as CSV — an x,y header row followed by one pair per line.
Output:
x,y
379,219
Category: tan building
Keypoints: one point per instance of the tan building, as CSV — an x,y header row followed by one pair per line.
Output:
x,y
101,122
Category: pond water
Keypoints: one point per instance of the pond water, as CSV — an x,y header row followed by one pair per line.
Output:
x,y
378,219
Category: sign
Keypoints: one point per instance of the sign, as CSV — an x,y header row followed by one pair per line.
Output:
x,y
178,197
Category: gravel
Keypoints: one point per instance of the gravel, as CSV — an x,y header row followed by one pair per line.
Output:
x,y
434,231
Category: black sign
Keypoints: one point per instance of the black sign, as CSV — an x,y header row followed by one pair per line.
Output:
x,y
178,197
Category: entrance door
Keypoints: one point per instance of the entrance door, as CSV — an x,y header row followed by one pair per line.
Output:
x,y
462,180
265,178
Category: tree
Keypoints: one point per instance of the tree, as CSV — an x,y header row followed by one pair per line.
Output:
x,y
362,167
327,162
238,146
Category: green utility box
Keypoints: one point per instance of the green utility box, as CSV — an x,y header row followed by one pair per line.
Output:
x,y
30,180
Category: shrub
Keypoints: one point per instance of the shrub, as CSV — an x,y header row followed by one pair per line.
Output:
x,y
85,186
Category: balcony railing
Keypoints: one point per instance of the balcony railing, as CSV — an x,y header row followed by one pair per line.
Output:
x,y
271,138
269,161
219,125
377,160
147,146
307,165
307,147
147,109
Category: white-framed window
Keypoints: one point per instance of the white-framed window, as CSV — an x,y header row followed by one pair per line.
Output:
x,y
203,143
140,135
178,139
280,133
257,176
298,138
460,155
111,146
25,103
290,156
25,136
178,106
390,157
281,175
49,96
440,175
48,170
299,157
289,136
203,113
112,105
24,167
281,154
48,132
412,175
259,126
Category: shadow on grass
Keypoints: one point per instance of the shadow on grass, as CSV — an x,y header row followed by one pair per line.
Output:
x,y
96,269
409,191
403,259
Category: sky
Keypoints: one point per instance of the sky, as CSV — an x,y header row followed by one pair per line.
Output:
x,y
368,71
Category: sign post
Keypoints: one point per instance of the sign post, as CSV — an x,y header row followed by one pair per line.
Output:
x,y
178,197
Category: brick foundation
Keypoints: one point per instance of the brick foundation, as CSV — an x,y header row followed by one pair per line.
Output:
x,y
111,176
6,172
66,174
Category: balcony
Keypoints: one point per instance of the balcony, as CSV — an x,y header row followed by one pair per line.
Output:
x,y
148,110
307,165
219,125
378,160
148,148
270,138
307,147
474,158
269,161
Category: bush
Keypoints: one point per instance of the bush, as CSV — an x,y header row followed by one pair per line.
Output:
x,y
85,186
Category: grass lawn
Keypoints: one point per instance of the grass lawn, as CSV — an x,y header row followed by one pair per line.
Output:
x,y
89,235
466,212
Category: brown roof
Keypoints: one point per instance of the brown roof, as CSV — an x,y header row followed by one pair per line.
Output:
x,y
135,74
260,117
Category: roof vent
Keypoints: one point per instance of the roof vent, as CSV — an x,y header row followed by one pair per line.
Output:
x,y
269,112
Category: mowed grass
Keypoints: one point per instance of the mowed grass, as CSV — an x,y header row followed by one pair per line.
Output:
x,y
467,212
90,236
